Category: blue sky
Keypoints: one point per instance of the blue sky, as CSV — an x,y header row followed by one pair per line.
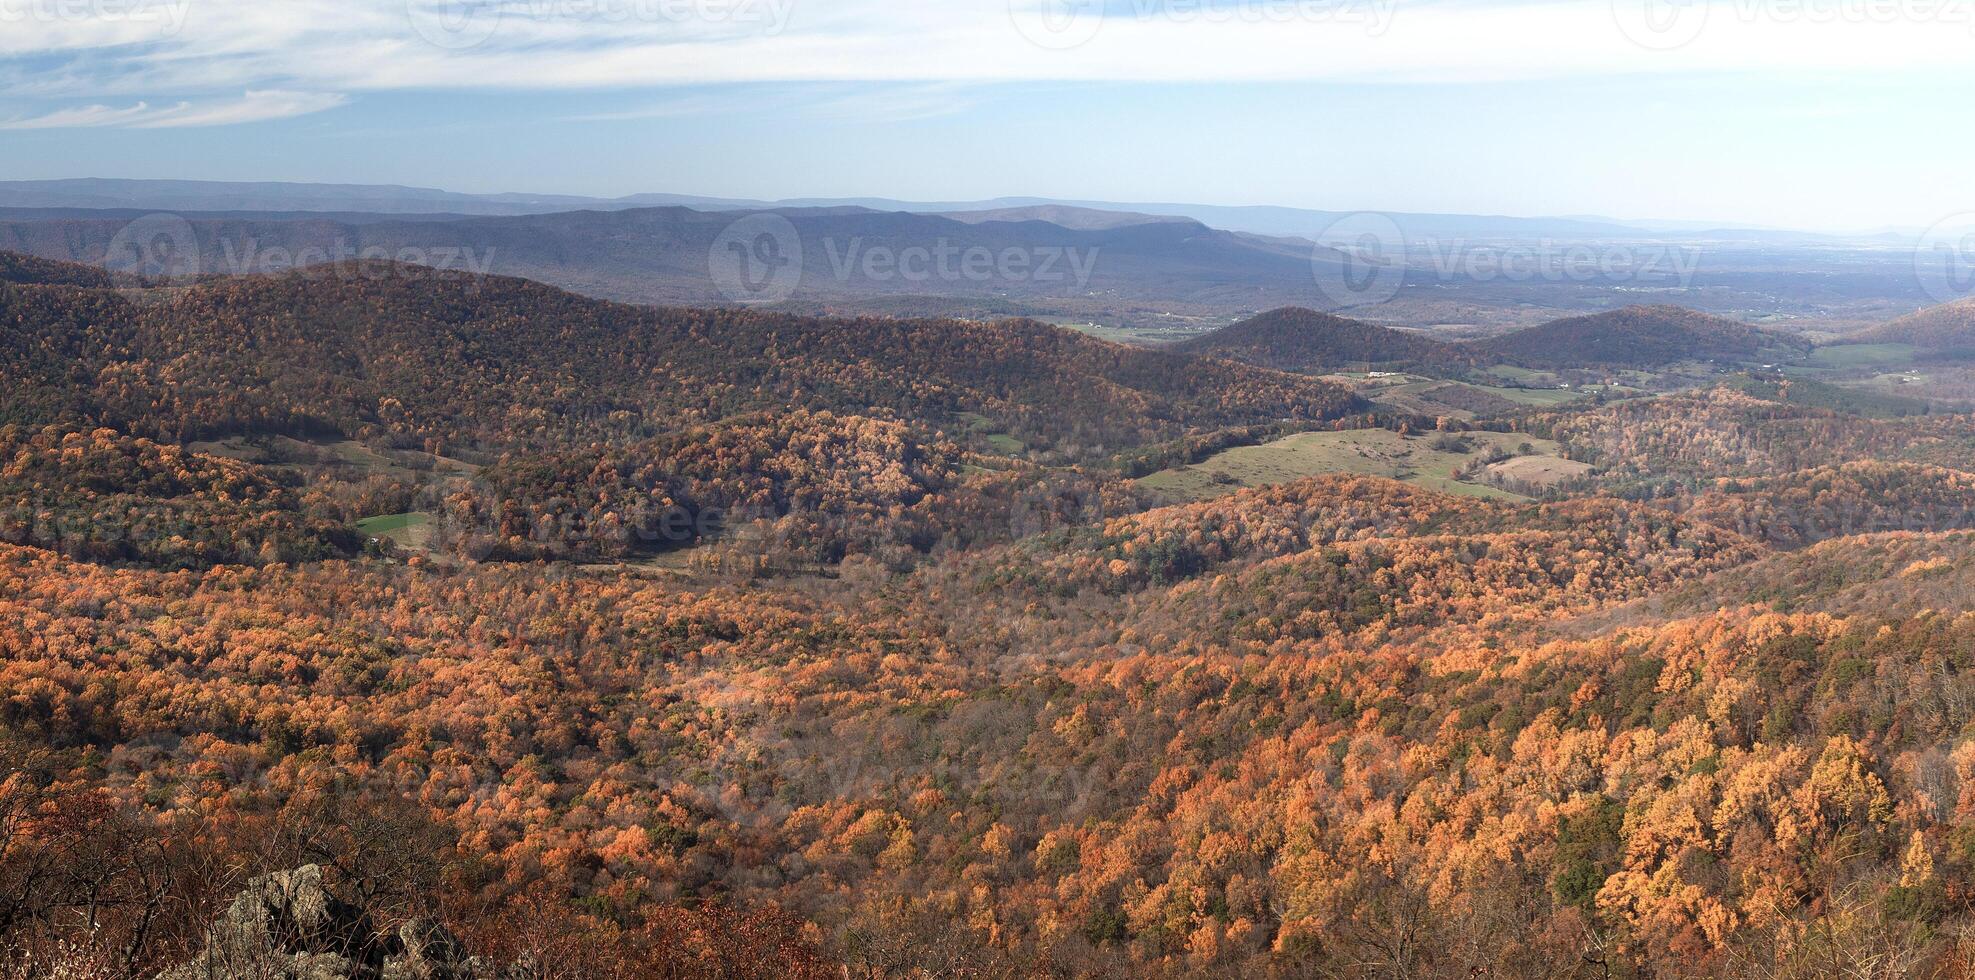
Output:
x,y
1846,116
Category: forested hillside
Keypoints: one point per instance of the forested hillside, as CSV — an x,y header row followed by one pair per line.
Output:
x,y
456,363
737,645
1948,327
1639,336
1293,339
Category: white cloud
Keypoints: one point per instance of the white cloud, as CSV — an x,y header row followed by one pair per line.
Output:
x,y
154,50
91,116
901,102
255,106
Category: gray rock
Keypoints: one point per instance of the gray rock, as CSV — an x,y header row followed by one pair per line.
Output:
x,y
426,951
287,926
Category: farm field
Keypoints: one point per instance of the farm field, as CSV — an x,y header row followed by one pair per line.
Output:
x,y
1000,442
1543,471
1369,452
1117,335
310,457
1849,357
1540,397
1449,398
412,530
1463,399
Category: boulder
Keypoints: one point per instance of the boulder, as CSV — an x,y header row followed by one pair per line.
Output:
x,y
287,926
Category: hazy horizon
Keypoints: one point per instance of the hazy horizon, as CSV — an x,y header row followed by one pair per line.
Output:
x,y
707,201
1726,112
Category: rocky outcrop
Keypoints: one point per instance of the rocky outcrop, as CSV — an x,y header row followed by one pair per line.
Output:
x,y
287,926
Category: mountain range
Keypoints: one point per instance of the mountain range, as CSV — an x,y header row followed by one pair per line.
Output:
x,y
673,254
1158,272
201,195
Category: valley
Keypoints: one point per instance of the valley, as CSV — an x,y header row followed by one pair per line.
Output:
x,y
1003,490
685,635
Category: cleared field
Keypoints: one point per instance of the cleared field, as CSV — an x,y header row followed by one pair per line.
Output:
x,y
675,564
1852,356
1372,452
1521,375
1542,397
999,441
1450,398
1541,471
413,530
1542,388
1116,335
1161,330
344,454
1468,400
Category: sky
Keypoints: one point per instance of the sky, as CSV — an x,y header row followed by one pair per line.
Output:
x,y
1816,114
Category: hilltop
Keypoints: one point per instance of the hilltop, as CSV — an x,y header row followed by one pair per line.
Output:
x,y
1297,339
27,270
1947,327
1638,336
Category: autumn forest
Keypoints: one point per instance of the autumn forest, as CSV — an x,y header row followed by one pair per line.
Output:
x,y
636,642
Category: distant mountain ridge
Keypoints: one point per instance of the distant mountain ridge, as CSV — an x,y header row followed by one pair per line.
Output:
x,y
1161,271
204,195
1634,336
216,195
1067,216
666,255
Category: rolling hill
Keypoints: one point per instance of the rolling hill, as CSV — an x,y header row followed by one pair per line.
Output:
x,y
1302,340
1638,336
494,364
24,270
1296,339
1817,394
1948,327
